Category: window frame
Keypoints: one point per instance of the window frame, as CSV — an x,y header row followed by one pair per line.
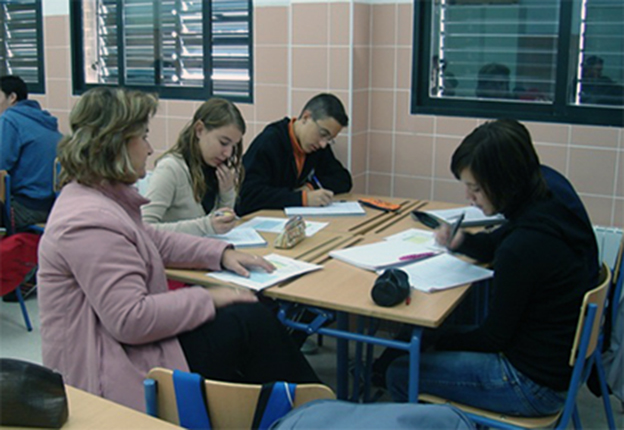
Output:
x,y
165,92
38,87
557,111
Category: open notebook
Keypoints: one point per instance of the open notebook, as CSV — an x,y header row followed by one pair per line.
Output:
x,y
286,268
242,238
276,225
474,216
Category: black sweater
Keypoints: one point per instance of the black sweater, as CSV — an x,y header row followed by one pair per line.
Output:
x,y
540,277
271,176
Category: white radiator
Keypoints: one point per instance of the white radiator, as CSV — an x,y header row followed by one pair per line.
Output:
x,y
609,240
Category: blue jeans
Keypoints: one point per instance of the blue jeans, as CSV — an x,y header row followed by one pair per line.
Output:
x,y
483,380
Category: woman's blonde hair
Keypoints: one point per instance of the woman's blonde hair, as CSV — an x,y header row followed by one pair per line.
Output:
x,y
214,113
102,123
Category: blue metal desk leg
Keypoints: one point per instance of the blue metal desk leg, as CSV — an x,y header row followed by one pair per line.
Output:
x,y
342,355
414,351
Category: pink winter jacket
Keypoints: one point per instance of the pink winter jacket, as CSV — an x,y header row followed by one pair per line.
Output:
x,y
107,316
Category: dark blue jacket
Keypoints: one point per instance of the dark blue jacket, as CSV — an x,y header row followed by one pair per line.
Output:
x,y
271,179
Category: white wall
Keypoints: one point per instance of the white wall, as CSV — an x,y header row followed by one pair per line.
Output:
x,y
56,7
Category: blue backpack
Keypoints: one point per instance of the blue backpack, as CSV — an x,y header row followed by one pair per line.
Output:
x,y
337,414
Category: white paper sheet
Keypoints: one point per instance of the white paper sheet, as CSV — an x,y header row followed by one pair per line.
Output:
x,y
442,272
379,255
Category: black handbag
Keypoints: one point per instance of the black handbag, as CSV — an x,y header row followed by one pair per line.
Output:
x,y
31,395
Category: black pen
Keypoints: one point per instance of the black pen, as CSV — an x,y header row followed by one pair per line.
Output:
x,y
455,228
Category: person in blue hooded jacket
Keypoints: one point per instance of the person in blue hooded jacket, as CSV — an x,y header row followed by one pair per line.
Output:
x,y
28,140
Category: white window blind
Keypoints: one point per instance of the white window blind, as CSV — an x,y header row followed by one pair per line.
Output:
x,y
231,47
494,49
163,44
20,27
600,64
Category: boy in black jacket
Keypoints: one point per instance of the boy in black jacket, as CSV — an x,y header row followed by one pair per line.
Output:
x,y
291,162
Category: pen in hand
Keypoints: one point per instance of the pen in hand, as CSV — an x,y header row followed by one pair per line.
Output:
x,y
226,213
455,229
317,182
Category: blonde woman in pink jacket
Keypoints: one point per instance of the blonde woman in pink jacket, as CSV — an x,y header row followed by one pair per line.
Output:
x,y
107,316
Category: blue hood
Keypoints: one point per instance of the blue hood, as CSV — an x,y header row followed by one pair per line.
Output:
x,y
32,110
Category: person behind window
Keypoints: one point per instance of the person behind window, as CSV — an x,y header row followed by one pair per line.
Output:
x,y
28,140
194,185
516,361
107,317
493,82
291,163
596,88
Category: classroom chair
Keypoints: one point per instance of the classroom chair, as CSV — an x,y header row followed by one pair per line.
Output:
x,y
229,405
582,357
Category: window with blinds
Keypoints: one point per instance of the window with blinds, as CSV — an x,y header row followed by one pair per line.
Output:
x,y
501,50
180,48
556,60
21,42
600,60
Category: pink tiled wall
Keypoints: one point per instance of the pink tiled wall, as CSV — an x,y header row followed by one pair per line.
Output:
x,y
361,51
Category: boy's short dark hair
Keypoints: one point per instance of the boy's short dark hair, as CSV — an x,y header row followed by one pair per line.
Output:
x,y
502,159
327,105
14,84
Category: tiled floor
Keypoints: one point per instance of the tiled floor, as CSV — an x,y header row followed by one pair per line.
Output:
x,y
16,342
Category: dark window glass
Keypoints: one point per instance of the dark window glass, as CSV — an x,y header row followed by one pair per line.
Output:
x,y
182,49
21,42
559,60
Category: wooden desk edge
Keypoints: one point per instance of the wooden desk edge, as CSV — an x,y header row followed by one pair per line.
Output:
x,y
88,411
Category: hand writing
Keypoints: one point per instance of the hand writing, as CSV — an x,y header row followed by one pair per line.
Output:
x,y
321,197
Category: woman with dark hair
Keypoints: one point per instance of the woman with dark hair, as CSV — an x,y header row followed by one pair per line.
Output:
x,y
194,186
516,361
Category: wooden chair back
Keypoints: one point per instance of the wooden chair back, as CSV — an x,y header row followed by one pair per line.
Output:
x,y
230,405
598,297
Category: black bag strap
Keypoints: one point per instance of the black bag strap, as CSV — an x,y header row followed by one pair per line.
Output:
x,y
276,400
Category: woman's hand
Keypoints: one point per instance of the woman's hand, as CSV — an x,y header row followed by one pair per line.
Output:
x,y
443,237
225,176
223,220
224,296
240,263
